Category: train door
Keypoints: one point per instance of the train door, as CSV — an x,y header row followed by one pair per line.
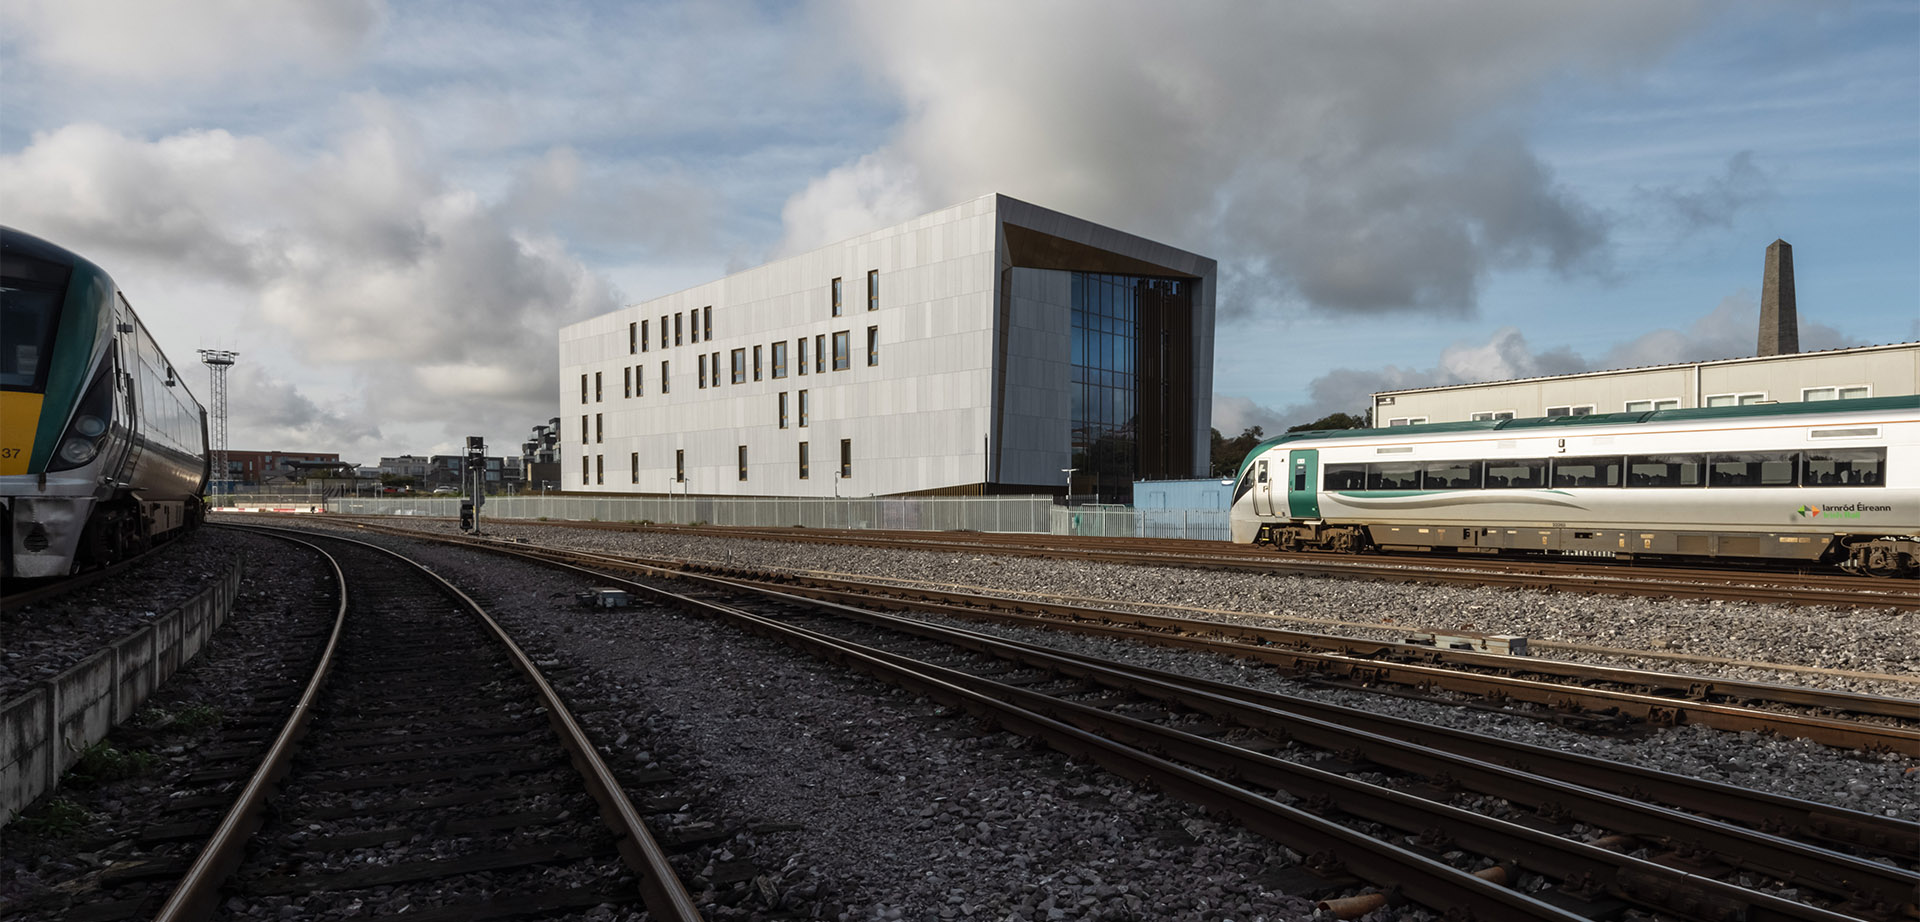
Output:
x,y
1303,483
1262,489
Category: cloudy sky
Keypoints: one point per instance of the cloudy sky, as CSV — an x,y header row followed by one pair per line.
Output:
x,y
388,209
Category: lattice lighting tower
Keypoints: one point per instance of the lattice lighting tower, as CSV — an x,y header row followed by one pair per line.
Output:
x,y
218,361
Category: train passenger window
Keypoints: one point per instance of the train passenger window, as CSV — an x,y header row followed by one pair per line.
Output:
x,y
1666,470
1345,477
1586,472
1753,469
1843,467
1450,475
1263,471
1530,474
1299,476
1394,475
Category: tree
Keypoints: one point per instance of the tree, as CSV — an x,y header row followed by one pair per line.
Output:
x,y
1333,421
1228,453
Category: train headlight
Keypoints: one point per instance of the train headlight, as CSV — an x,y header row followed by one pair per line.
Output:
x,y
89,426
77,451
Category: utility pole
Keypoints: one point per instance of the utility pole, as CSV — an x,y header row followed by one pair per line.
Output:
x,y
218,361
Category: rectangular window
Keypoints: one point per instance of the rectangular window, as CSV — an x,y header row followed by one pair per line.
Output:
x,y
703,369
1666,471
1861,432
596,387
586,470
780,359
663,331
646,338
801,344
1843,467
1586,472
626,378
1735,400
1658,403
743,462
676,328
803,409
583,430
1530,474
756,363
783,409
636,467
803,460
739,366
1753,469
836,297
680,465
599,469
841,348
597,431
639,380
846,458
583,388
1485,415
693,325
716,369
820,353
873,346
666,386
1394,475
1450,475
1586,410
633,338
1406,420
873,289
1346,477
1850,392
706,321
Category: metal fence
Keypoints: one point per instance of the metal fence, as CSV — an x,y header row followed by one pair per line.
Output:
x,y
1029,514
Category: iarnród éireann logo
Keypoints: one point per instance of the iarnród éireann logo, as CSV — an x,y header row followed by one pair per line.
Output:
x,y
1848,511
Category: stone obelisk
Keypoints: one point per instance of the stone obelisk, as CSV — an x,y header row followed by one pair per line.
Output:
x,y
1779,321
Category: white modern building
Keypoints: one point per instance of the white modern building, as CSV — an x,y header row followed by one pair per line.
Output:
x,y
984,348
1891,370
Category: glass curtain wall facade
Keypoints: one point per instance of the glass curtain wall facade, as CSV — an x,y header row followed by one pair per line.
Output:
x,y
1132,382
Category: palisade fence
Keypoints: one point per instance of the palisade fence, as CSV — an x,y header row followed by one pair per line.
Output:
x,y
1029,514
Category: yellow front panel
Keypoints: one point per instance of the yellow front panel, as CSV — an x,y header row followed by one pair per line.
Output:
x,y
19,417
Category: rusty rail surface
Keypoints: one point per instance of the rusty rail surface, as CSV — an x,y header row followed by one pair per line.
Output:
x,y
664,896
1193,767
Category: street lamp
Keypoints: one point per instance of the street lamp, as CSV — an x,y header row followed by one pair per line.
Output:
x,y
1066,499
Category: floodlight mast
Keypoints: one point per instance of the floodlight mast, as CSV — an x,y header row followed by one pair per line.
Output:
x,y
217,362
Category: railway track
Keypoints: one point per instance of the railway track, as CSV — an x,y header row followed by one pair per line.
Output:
x,y
1222,748
1578,695
444,769
1582,575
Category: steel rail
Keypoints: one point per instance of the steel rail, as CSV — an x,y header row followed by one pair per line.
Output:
x,y
1124,745
663,894
199,890
1694,687
1418,876
1263,644
1832,872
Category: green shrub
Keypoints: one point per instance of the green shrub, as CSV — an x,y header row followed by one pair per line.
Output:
x,y
102,762
61,817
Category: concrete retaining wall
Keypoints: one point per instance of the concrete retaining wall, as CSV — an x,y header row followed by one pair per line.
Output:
x,y
43,731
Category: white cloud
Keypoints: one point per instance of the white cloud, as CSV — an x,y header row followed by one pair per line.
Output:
x,y
1730,330
359,259
1348,156
195,40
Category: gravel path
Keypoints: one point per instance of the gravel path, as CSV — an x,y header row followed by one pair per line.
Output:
x,y
863,803
43,639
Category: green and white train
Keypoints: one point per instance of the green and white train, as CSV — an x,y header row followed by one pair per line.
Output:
x,y
103,450
1832,482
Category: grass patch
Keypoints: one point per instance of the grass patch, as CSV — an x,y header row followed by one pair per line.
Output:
x,y
60,818
103,762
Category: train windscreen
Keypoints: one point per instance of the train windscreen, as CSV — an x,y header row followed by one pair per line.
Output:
x,y
31,292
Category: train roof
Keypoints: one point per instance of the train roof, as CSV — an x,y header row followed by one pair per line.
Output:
x,y
1808,408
